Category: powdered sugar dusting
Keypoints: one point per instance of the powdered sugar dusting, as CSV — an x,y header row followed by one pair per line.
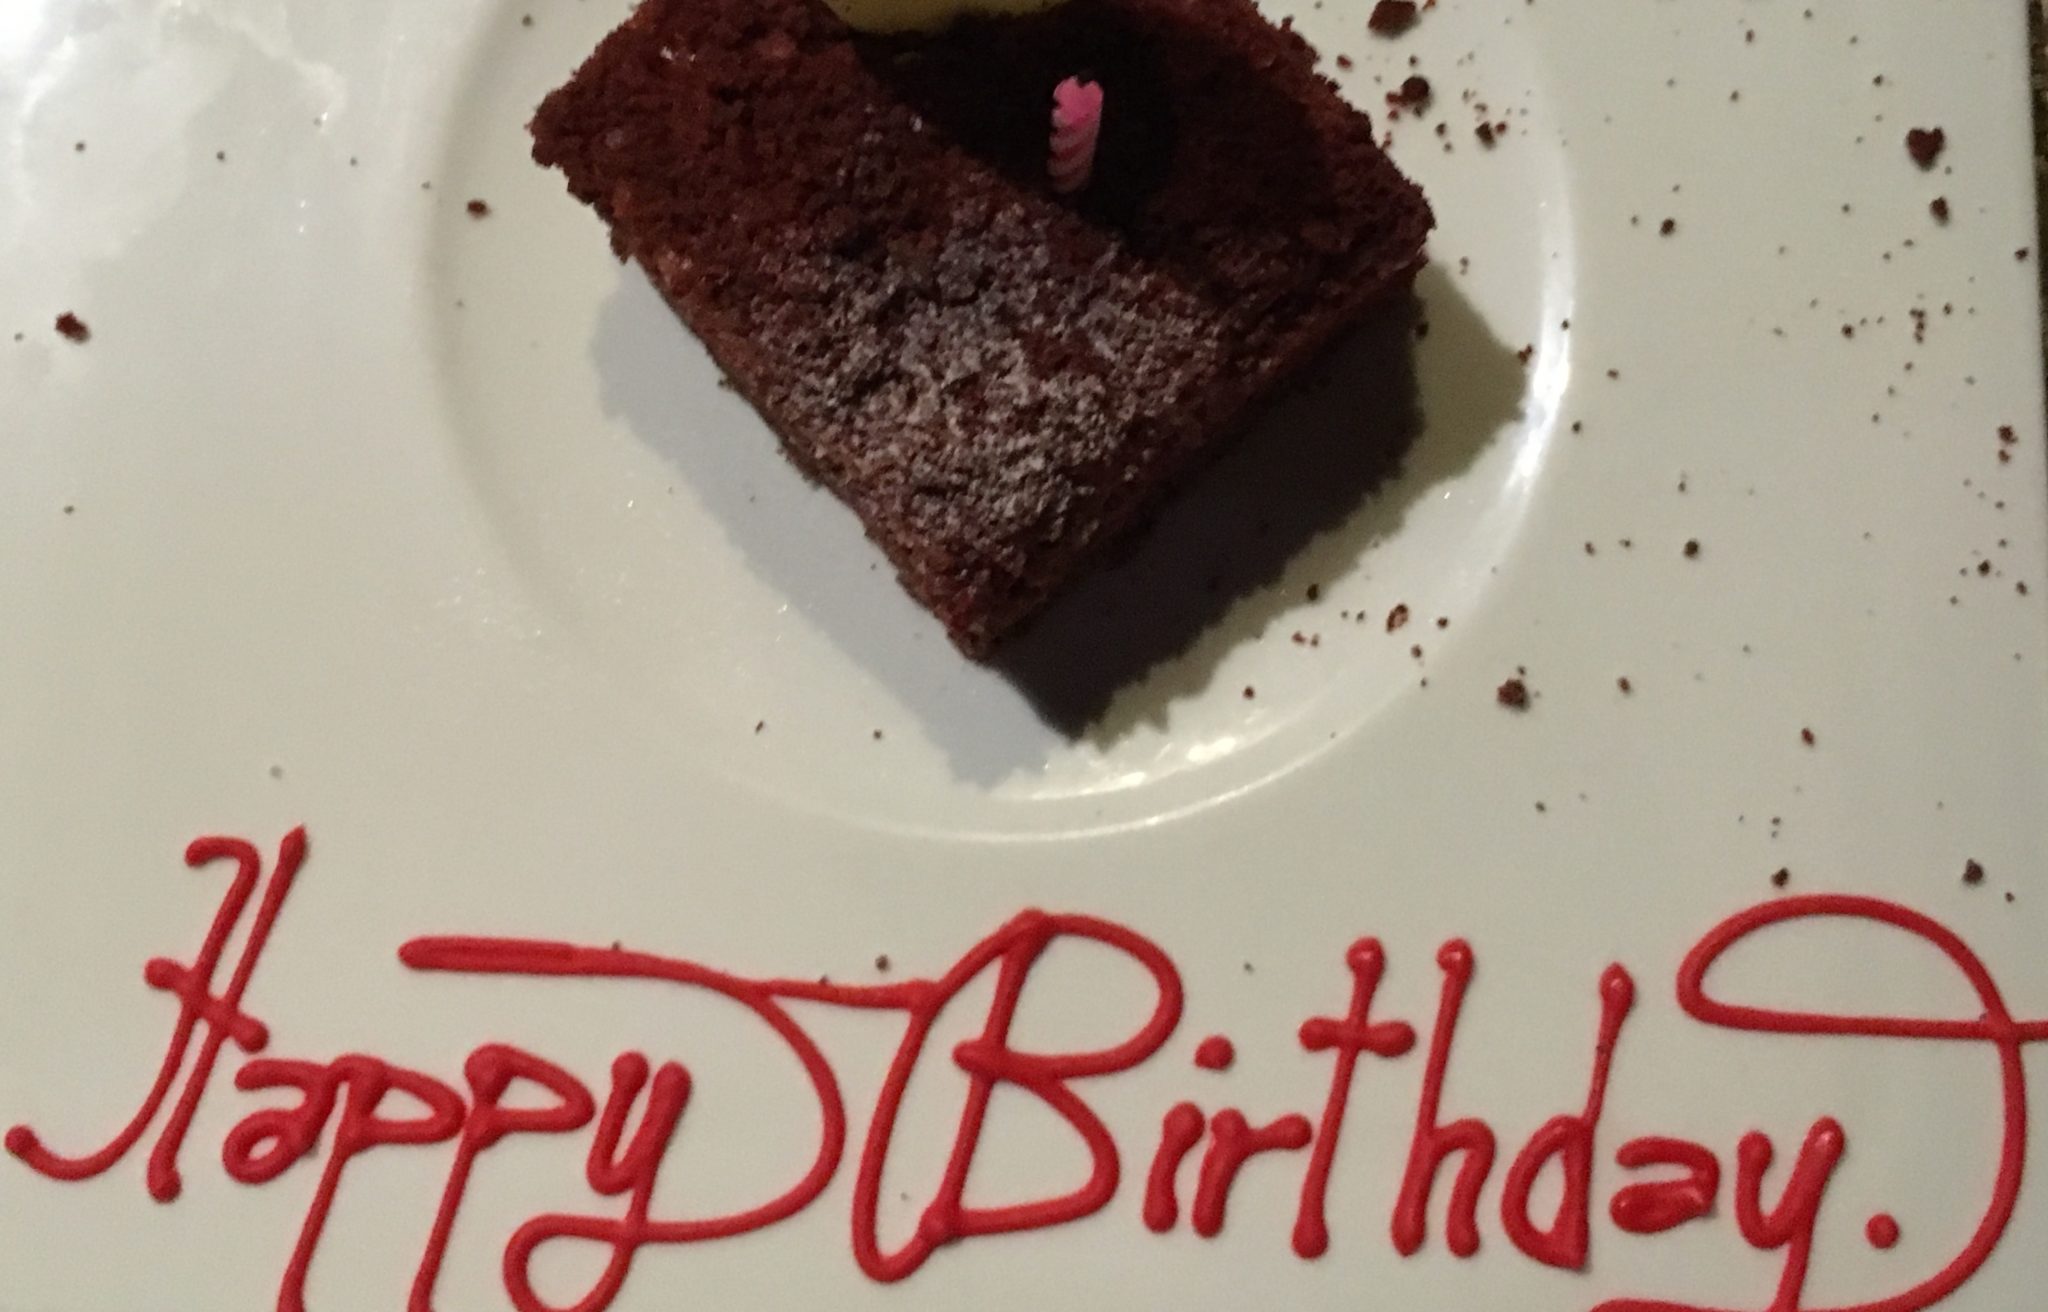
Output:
x,y
983,396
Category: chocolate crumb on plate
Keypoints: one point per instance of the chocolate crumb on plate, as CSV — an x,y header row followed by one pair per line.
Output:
x,y
479,209
1938,207
1667,227
1973,873
1392,17
1513,694
1413,93
1781,877
1925,145
1806,736
1397,617
1692,548
1624,684
73,328
882,963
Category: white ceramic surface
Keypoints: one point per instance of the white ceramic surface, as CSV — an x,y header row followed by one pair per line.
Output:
x,y
435,534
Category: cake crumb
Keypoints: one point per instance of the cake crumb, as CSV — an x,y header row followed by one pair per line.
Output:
x,y
1397,617
1413,93
882,963
1781,877
72,328
1485,133
1938,207
1806,736
1692,548
1392,17
1513,694
1250,692
1972,873
1624,684
479,209
1667,227
1925,145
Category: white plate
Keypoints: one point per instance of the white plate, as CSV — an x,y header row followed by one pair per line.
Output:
x,y
434,534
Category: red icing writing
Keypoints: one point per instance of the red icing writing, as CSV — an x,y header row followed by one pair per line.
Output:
x,y
1790,1224
1355,1033
220,1017
1232,1143
358,1103
1568,1140
1179,1133
1471,1139
1657,1206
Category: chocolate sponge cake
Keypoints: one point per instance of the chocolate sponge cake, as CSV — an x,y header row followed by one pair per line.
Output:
x,y
999,379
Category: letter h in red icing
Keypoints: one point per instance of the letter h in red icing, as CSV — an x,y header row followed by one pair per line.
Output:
x,y
217,1017
1434,1142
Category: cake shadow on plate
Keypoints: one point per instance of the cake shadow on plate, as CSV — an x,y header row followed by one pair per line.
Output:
x,y
1331,467
1328,470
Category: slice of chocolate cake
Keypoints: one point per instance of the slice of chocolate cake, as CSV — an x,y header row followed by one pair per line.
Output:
x,y
999,379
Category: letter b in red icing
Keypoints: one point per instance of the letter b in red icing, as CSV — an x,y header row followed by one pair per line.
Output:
x,y
989,1060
